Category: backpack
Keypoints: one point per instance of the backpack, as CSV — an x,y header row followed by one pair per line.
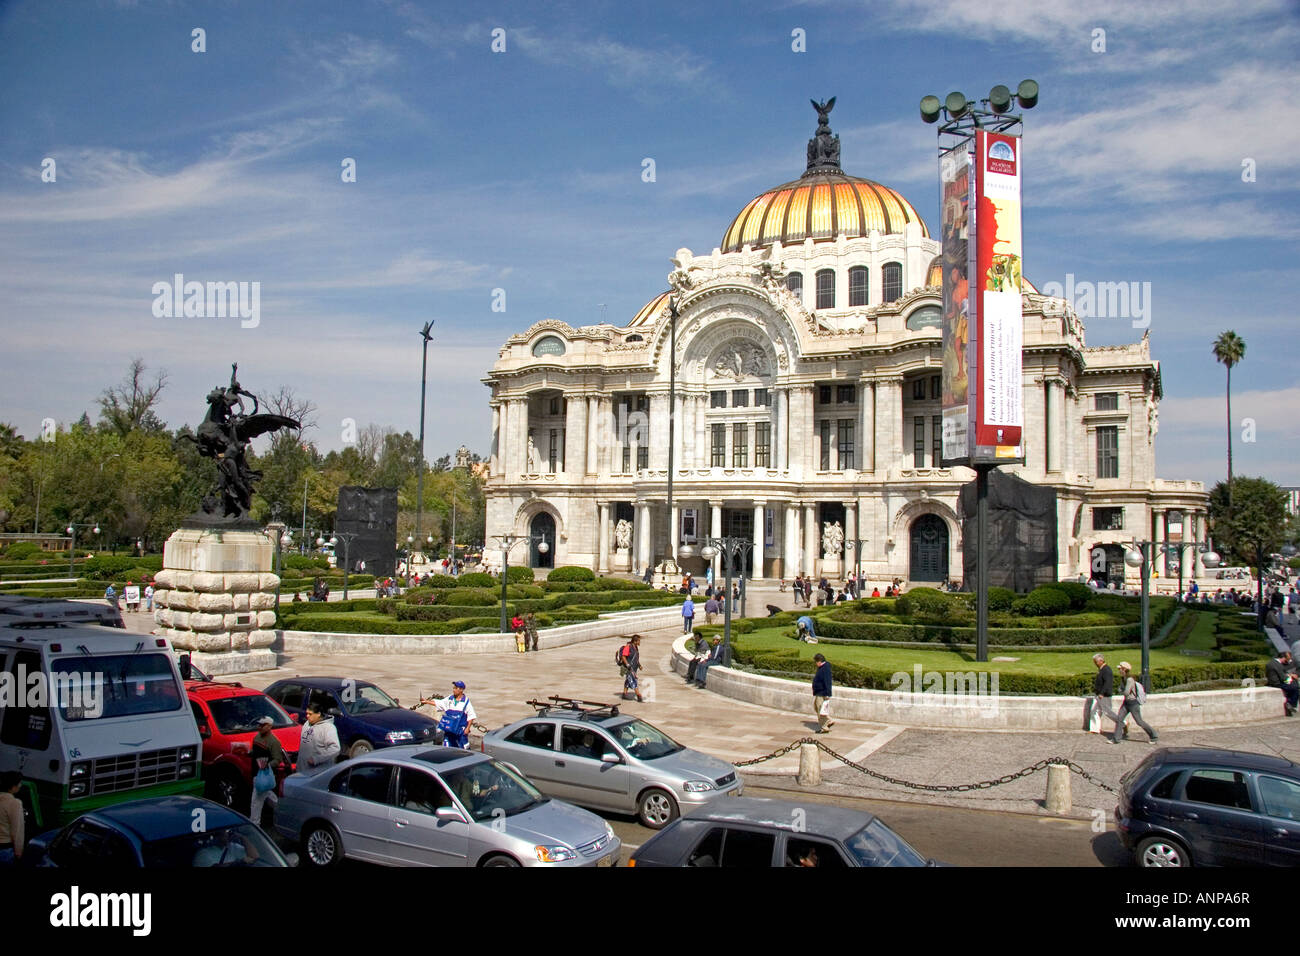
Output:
x,y
453,722
620,656
1140,691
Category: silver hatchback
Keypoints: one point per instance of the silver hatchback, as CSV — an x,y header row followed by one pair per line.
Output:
x,y
436,806
605,760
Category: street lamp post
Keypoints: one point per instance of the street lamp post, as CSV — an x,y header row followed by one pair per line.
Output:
x,y
1141,554
730,547
283,538
506,542
856,546
425,333
346,537
72,550
306,478
671,540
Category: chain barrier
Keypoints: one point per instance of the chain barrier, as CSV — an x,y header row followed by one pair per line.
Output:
x,y
932,788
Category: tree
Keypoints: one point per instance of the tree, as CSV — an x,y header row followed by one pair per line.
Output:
x,y
1229,348
11,443
129,405
1250,521
285,402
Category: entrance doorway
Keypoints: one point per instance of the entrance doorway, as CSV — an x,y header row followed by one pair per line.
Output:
x,y
929,549
739,523
1106,564
542,524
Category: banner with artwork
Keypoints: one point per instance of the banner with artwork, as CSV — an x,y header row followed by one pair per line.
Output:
x,y
956,186
998,329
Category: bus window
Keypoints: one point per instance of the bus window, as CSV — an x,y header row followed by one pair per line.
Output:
x,y
26,727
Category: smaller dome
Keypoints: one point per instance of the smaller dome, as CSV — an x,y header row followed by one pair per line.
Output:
x,y
934,276
650,311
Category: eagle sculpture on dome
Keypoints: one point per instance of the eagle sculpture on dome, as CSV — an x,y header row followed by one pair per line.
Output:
x,y
824,112
824,147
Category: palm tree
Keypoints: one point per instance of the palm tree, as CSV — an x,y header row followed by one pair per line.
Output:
x,y
1229,348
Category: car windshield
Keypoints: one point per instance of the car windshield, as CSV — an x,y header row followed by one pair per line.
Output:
x,y
241,845
368,699
489,789
115,685
644,742
239,715
877,845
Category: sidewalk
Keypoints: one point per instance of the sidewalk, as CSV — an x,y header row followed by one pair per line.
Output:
x,y
499,686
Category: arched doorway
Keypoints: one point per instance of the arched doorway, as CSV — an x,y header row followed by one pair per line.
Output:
x,y
1107,565
544,525
929,540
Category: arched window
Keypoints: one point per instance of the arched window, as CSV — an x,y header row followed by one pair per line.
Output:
x,y
892,287
858,289
550,345
794,282
826,289
634,338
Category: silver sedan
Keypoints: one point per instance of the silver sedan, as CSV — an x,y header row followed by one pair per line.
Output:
x,y
426,806
616,763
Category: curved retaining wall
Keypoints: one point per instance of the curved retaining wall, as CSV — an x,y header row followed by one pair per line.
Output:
x,y
987,711
618,624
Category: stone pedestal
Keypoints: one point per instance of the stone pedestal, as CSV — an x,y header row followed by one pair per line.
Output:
x,y
830,566
215,598
622,559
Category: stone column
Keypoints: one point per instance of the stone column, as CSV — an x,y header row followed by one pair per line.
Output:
x,y
644,539
602,546
889,424
701,432
678,429
495,459
791,540
1192,533
866,427
504,439
850,534
715,530
760,538
810,537
1055,424
780,426
674,532
659,431
575,437
1158,559
593,435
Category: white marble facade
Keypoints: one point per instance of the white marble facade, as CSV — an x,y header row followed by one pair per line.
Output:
x,y
789,417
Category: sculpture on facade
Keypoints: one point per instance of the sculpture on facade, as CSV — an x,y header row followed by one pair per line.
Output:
x,y
532,455
832,539
623,534
224,436
739,359
824,148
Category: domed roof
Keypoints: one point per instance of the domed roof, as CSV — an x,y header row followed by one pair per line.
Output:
x,y
650,311
824,203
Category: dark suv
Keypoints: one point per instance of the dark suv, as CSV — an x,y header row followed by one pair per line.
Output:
x,y
1190,805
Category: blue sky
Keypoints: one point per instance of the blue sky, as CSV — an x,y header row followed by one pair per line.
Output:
x,y
522,171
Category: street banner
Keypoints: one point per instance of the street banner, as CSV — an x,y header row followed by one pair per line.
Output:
x,y
998,326
956,175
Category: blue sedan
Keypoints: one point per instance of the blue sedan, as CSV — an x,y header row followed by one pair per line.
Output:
x,y
157,833
365,717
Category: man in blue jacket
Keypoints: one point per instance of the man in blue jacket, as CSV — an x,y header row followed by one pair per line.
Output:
x,y
822,694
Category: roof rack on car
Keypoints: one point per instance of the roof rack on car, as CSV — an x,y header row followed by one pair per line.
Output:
x,y
584,708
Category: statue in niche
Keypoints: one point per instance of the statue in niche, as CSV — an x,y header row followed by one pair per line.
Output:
x,y
623,534
832,539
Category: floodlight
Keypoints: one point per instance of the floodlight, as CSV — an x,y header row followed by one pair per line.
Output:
x,y
930,107
1000,99
956,105
1027,94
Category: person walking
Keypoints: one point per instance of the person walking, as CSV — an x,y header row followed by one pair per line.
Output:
x,y
1135,696
630,664
457,716
110,595
11,818
530,628
1278,673
711,608
521,636
648,577
1103,689
708,575
319,746
267,754
148,597
688,615
821,688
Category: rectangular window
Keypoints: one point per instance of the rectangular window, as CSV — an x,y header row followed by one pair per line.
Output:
x,y
553,450
740,398
936,441
892,286
843,394
740,445
823,394
858,286
935,382
643,456
1107,401
763,445
762,397
918,389
627,459
555,406
718,447
794,282
846,444
826,289
1108,452
918,442
1107,519
643,403
717,399
826,445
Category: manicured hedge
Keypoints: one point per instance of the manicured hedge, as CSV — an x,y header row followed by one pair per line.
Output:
x,y
571,573
1045,601
519,575
104,566
21,550
1079,594
476,579
305,562
1001,599
1010,636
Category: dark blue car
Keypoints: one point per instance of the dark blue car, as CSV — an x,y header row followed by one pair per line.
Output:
x,y
364,716
157,833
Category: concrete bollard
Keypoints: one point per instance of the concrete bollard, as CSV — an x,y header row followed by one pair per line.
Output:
x,y
810,765
1058,789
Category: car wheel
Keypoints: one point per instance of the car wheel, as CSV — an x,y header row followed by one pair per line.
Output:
x,y
226,789
320,845
499,860
1162,851
657,809
360,748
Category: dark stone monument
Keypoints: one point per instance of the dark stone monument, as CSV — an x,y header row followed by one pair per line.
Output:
x,y
371,515
1022,533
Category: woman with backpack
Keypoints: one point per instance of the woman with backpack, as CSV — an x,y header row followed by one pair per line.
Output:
x,y
1135,695
629,662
